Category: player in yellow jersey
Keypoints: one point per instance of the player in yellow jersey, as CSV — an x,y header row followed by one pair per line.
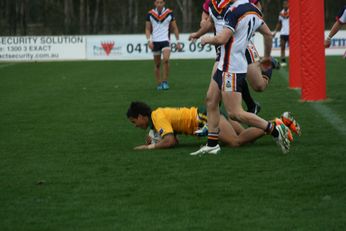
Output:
x,y
171,121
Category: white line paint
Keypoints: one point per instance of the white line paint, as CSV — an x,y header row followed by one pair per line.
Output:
x,y
332,117
326,112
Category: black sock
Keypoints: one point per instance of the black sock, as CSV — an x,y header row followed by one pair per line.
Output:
x,y
283,60
275,132
213,139
271,129
250,103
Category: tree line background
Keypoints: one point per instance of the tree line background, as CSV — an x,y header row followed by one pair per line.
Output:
x,y
56,17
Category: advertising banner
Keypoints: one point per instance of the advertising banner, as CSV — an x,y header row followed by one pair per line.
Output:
x,y
338,44
135,47
122,47
42,48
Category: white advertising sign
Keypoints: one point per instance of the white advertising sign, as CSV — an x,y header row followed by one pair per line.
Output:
x,y
45,48
135,47
122,47
338,44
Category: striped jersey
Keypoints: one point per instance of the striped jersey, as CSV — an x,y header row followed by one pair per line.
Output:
x,y
284,19
341,17
160,22
217,11
243,20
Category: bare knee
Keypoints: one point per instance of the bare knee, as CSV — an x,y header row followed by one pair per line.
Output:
x,y
236,115
165,61
157,66
211,103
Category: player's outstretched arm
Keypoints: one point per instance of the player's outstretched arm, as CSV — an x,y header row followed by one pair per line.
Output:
x,y
168,141
222,38
205,28
336,27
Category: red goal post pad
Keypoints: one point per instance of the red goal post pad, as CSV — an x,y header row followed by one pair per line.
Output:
x,y
313,63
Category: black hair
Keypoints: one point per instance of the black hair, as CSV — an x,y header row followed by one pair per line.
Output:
x,y
138,108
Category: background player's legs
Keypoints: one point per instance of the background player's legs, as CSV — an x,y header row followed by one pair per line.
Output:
x,y
255,78
165,59
166,53
157,61
283,46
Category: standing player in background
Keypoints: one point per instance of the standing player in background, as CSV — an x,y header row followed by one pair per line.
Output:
x,y
159,23
240,22
340,21
283,26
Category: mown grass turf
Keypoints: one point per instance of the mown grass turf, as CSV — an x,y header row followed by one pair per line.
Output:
x,y
67,161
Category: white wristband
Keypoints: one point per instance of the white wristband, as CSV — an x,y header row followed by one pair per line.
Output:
x,y
177,41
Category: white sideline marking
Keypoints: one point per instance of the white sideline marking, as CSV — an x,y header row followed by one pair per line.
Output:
x,y
333,118
6,65
327,113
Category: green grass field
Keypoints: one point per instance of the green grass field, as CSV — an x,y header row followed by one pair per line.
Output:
x,y
67,158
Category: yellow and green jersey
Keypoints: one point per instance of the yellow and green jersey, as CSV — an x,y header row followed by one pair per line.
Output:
x,y
181,120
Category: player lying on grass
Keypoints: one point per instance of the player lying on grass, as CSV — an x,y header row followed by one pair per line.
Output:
x,y
168,122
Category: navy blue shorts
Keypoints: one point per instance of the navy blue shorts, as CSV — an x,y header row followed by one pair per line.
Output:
x,y
284,37
251,54
218,52
159,46
230,82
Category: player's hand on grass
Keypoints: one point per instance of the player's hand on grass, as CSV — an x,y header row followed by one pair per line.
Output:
x,y
144,147
141,147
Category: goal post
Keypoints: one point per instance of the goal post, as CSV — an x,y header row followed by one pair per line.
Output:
x,y
295,45
308,52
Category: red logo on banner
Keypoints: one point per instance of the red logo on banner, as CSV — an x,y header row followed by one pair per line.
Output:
x,y
107,47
